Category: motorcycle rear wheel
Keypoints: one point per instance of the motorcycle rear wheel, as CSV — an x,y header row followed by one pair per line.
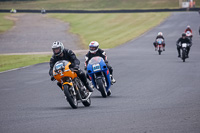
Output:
x,y
159,51
102,88
71,98
183,55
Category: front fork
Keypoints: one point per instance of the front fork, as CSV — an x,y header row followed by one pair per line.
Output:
x,y
71,86
102,77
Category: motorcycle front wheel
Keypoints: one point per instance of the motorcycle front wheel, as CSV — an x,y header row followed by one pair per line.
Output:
x,y
71,98
102,88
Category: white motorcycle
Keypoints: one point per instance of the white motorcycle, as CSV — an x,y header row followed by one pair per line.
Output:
x,y
184,50
189,35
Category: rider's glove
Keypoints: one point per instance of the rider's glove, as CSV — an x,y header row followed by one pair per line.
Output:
x,y
52,78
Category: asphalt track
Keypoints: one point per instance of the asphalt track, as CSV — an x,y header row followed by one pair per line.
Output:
x,y
36,33
153,94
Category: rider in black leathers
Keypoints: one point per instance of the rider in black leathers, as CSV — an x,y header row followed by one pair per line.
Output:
x,y
60,53
199,30
182,40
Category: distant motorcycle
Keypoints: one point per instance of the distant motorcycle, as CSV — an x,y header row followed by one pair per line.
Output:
x,y
43,11
99,75
189,35
184,54
72,86
159,43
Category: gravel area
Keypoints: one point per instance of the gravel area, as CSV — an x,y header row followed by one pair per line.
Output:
x,y
35,33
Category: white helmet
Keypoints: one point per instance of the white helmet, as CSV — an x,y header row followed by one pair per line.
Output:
x,y
160,34
93,46
57,45
188,26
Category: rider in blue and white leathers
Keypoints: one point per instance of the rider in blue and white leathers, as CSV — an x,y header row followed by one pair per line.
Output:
x,y
94,50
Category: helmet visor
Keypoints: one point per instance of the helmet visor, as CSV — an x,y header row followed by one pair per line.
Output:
x,y
93,48
56,51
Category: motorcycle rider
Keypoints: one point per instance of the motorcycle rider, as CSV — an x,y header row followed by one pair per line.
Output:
x,y
60,53
199,30
188,29
182,40
94,50
159,36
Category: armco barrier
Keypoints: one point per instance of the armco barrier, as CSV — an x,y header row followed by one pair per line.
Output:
x,y
102,11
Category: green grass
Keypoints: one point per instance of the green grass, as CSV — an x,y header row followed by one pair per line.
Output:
x,y
110,30
91,4
5,24
8,62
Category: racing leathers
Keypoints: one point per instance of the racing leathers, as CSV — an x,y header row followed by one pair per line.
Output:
x,y
155,44
71,57
102,54
181,41
199,30
188,29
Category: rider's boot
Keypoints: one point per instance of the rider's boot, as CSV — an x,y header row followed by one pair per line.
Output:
x,y
187,56
179,52
188,52
109,92
112,79
88,87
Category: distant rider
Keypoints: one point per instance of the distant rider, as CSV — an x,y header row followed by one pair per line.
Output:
x,y
190,30
94,50
182,40
159,36
199,30
60,53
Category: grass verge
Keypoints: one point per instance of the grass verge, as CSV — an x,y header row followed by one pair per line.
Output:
x,y
5,24
110,30
8,62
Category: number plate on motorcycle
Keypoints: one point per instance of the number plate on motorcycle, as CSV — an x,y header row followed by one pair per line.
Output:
x,y
58,66
184,45
96,67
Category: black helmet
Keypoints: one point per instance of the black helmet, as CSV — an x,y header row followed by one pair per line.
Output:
x,y
183,35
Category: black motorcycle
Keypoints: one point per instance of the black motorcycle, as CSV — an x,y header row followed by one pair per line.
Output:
x,y
184,50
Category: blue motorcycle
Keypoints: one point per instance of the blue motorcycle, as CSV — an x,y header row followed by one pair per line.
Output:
x,y
99,75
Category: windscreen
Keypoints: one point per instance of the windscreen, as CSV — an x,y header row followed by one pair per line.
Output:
x,y
60,64
95,60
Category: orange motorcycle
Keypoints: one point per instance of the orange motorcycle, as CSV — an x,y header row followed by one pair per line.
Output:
x,y
72,86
